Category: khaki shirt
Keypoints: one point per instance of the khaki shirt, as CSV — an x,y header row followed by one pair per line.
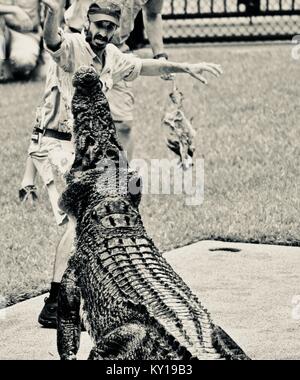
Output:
x,y
74,53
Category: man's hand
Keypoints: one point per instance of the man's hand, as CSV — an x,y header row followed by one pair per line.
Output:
x,y
197,69
53,5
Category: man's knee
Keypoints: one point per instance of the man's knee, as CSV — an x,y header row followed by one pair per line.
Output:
x,y
64,251
69,234
124,128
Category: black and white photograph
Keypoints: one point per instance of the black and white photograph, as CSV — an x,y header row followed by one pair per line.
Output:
x,y
150,182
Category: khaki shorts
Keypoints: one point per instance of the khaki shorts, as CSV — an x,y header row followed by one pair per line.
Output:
x,y
52,158
121,101
51,154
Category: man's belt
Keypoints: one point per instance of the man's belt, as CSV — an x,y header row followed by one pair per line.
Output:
x,y
58,135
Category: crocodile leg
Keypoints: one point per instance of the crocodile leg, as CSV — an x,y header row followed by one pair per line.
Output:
x,y
68,317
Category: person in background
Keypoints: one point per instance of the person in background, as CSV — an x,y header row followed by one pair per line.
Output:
x,y
20,38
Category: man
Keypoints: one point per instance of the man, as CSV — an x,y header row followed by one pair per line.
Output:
x,y
92,47
19,38
121,98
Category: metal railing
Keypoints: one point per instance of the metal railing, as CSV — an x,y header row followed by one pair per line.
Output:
x,y
182,9
230,20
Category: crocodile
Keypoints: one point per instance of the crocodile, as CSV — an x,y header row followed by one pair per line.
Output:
x,y
134,305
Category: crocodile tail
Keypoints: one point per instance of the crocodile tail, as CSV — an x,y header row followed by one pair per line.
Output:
x,y
227,347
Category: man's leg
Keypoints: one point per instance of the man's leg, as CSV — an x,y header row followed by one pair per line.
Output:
x,y
61,156
24,53
63,252
48,315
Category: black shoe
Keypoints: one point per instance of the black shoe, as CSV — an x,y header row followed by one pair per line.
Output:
x,y
48,315
28,193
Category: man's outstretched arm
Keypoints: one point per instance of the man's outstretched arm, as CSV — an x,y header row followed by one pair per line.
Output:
x,y
51,27
152,67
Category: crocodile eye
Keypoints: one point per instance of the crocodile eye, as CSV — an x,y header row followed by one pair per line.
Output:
x,y
94,215
112,154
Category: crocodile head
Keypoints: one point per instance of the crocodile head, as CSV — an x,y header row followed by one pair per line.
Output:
x,y
94,131
85,78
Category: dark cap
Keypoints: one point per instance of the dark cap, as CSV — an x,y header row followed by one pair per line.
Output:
x,y
105,10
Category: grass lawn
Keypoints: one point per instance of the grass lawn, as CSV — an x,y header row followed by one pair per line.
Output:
x,y
248,135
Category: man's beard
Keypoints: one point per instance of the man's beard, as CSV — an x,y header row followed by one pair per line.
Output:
x,y
99,42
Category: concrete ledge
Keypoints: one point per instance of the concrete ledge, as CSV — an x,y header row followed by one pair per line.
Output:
x,y
249,293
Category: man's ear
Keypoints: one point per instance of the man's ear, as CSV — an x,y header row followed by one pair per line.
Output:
x,y
87,25
88,34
